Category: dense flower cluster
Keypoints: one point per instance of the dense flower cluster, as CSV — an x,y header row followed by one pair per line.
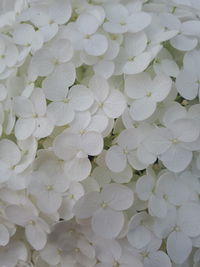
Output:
x,y
99,133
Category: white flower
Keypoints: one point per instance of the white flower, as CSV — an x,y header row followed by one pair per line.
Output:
x,y
110,254
120,21
25,36
47,189
187,38
146,93
105,208
47,16
66,102
48,59
180,226
103,65
133,58
187,81
162,193
172,144
108,101
32,116
8,56
12,253
10,157
70,198
131,150
74,150
165,64
139,236
84,122
35,228
103,175
67,245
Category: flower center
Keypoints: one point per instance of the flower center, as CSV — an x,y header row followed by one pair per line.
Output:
x,y
174,141
122,23
49,187
115,264
177,228
104,205
144,254
148,94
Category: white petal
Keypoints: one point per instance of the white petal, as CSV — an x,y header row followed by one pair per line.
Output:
x,y
173,113
87,205
157,207
191,27
139,237
54,87
35,236
168,185
23,107
179,247
188,217
164,226
50,254
115,104
100,87
183,43
134,161
137,85
86,248
107,223
158,141
48,31
118,197
11,55
61,11
98,123
115,28
23,34
24,128
62,50
145,156
78,169
87,23
18,215
96,45
157,259
116,12
185,130
104,68
142,109
92,143
144,187
4,235
41,63
138,64
161,87
81,98
187,85
9,152
135,44
39,101
116,159
138,21
3,92
61,113
44,127
53,199
176,158
66,145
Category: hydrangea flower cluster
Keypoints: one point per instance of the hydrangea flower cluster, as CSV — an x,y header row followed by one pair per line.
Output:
x,y
99,133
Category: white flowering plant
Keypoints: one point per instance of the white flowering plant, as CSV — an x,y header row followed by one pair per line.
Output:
x,y
99,133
